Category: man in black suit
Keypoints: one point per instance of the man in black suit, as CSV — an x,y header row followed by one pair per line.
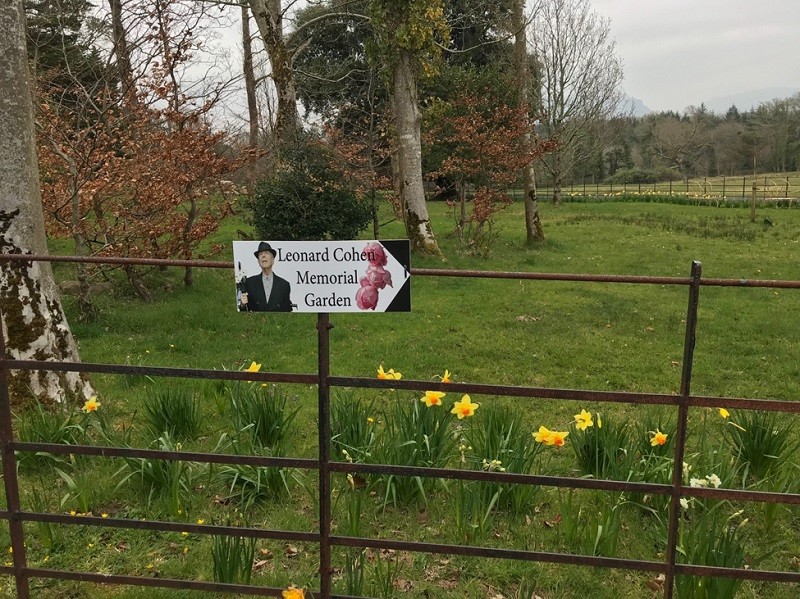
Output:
x,y
266,292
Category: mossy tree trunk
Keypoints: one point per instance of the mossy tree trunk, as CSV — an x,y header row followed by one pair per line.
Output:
x,y
33,321
409,155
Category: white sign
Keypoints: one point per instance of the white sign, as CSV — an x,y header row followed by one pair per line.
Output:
x,y
322,276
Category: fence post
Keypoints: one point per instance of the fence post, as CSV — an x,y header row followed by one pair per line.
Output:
x,y
787,188
10,480
765,189
723,188
670,187
744,182
705,186
680,431
753,204
323,394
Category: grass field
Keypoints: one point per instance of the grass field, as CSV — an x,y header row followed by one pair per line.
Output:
x,y
600,336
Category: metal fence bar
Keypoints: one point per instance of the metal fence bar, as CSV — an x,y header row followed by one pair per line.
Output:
x,y
324,381
323,390
10,480
680,433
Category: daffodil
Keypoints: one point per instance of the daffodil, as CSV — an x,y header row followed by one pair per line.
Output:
x,y
543,436
548,437
91,404
658,438
724,413
391,375
293,593
370,420
464,408
254,367
446,377
583,420
433,398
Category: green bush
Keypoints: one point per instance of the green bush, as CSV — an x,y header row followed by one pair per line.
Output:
x,y
308,197
643,175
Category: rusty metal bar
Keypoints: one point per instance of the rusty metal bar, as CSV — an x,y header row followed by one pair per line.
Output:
x,y
187,373
577,277
515,554
168,583
162,526
680,433
159,454
567,482
323,389
10,480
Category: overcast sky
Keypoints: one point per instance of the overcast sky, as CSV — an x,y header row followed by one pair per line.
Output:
x,y
678,53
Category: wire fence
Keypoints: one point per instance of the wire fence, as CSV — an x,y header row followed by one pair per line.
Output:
x,y
325,466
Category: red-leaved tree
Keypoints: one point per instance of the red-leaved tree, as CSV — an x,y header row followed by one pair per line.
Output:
x,y
479,139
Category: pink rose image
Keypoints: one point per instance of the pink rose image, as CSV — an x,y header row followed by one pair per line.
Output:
x,y
378,276
366,296
375,254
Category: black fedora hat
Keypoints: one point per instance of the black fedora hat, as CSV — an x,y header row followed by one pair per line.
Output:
x,y
263,246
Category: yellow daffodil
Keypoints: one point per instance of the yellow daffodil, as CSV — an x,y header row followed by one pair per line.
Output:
x,y
370,420
433,398
391,375
548,437
464,408
201,521
293,593
543,436
724,413
583,420
91,404
446,377
659,438
254,367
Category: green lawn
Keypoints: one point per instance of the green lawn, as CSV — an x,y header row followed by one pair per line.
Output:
x,y
623,337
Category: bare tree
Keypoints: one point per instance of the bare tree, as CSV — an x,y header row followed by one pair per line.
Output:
x,y
581,76
269,16
34,325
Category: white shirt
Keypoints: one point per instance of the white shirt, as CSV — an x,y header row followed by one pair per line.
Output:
x,y
266,280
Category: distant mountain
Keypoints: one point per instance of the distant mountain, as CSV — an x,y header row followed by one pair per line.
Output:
x,y
750,99
634,106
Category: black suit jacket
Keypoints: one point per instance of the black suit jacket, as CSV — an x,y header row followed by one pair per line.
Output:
x,y
279,300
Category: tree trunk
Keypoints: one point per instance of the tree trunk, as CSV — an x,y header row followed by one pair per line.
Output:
x,y
34,325
534,233
409,156
122,52
269,18
252,104
558,178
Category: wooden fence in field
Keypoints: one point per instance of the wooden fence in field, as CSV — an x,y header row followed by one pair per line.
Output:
x,y
325,465
766,189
